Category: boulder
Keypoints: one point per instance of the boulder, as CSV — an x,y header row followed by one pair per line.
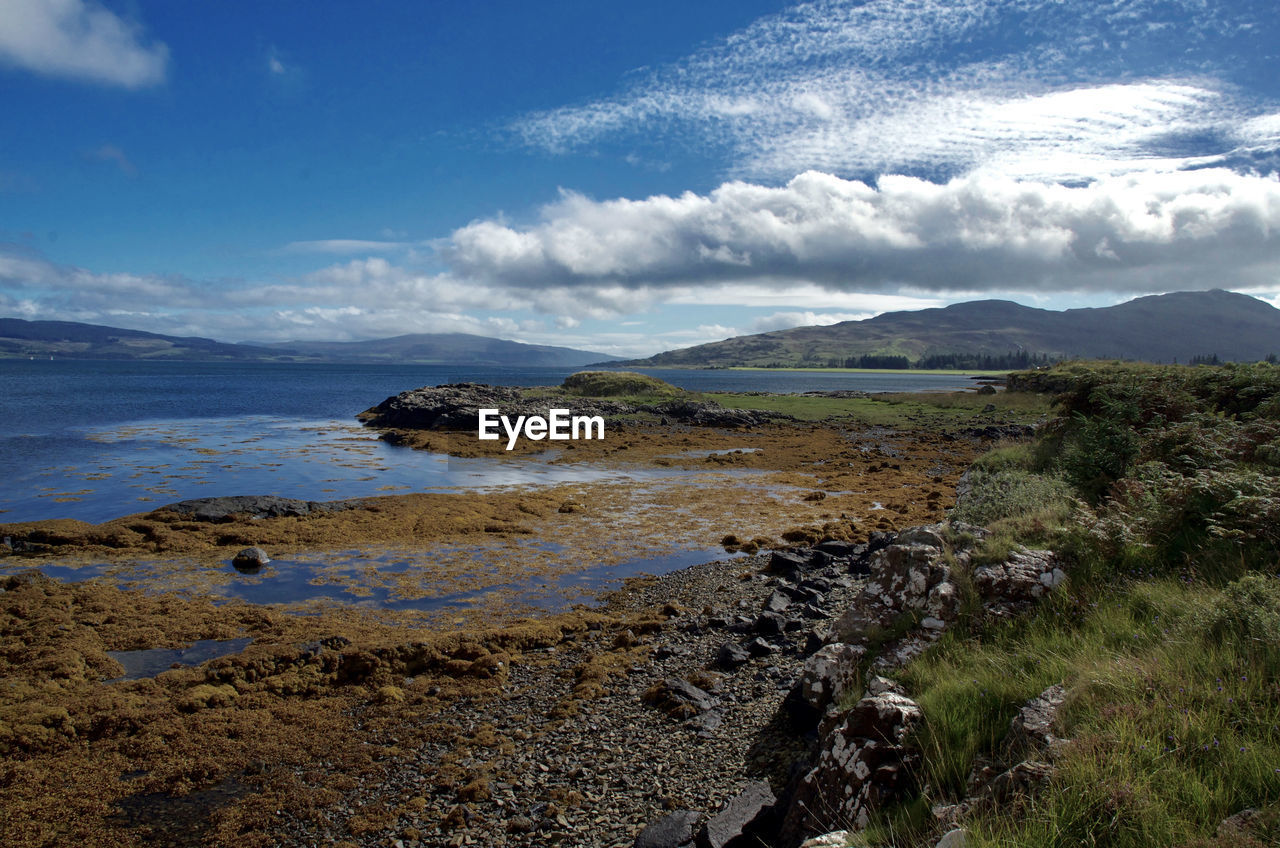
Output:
x,y
674,830
735,824
223,509
929,535
1025,576
678,698
829,673
250,559
732,655
835,839
957,838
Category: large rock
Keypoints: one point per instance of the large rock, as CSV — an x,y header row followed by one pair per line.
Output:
x,y
861,764
254,506
902,577
679,698
735,824
1026,576
674,830
829,673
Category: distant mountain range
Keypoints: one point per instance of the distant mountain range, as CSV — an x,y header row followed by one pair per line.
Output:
x,y
21,339
1160,328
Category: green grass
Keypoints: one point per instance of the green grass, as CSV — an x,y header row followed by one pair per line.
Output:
x,y
918,410
1175,726
957,372
616,384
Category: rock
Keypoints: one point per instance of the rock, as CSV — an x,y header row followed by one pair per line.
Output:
x,y
836,548
902,577
1025,576
929,535
777,602
758,647
250,559
835,839
1022,781
957,838
829,673
787,562
739,817
887,717
678,698
771,624
674,830
217,510
878,685
1241,824
1032,728
861,764
732,655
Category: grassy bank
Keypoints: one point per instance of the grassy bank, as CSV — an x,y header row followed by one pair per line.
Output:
x,y
1161,486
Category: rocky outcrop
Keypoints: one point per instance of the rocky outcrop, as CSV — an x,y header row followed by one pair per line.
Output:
x,y
217,510
862,763
456,406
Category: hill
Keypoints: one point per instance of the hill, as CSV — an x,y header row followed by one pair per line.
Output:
x,y
73,340
1159,328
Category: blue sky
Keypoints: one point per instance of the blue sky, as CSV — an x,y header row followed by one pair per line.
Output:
x,y
626,178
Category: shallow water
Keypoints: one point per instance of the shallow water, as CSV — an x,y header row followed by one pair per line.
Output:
x,y
151,661
358,579
139,467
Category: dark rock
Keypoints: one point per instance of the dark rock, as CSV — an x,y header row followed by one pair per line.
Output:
x,y
787,562
740,818
217,510
1032,728
760,648
829,673
777,602
771,624
1022,781
678,698
250,559
836,549
880,539
674,830
732,655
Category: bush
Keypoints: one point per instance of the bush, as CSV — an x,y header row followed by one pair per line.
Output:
x,y
1010,493
1247,611
616,383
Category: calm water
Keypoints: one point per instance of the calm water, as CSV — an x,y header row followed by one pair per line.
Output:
x,y
98,440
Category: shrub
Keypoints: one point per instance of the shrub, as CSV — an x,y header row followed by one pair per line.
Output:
x,y
616,383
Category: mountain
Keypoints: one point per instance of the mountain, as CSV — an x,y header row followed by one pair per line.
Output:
x,y
1159,328
442,348
72,340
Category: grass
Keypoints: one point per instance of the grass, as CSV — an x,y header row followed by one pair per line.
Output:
x,y
1157,484
953,371
1175,728
919,410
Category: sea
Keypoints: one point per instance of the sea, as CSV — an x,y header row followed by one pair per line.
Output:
x,y
96,440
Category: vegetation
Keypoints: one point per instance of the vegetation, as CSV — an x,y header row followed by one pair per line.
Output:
x,y
1161,485
616,384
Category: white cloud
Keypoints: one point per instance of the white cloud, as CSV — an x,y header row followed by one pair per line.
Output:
x,y
785,320
1142,232
1058,89
343,246
78,39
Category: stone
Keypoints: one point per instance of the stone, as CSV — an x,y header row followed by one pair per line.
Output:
x,y
674,830
1032,728
787,562
758,647
887,717
777,602
1022,781
1025,576
836,548
739,817
221,509
929,535
957,838
1241,824
835,839
250,559
829,673
877,685
732,655
678,698
771,624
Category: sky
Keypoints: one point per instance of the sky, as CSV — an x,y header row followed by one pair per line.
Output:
x,y
626,178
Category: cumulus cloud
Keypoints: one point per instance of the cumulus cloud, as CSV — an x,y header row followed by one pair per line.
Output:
x,y
1058,89
79,39
1141,232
